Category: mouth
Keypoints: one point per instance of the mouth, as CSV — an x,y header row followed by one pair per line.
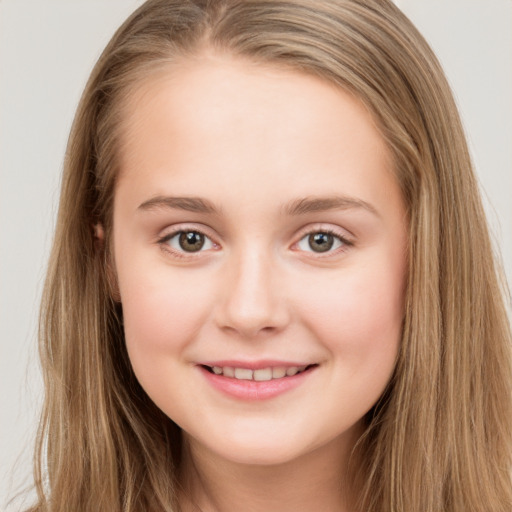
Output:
x,y
257,380
259,375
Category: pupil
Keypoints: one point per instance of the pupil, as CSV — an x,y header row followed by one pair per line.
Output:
x,y
191,241
321,242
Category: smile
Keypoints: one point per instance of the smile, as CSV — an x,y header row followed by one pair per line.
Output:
x,y
261,374
263,382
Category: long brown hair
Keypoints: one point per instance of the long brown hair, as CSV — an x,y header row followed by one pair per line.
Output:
x,y
440,439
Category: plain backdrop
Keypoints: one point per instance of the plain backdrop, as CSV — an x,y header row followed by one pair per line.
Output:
x,y
47,49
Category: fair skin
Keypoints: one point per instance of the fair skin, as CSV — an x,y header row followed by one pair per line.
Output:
x,y
295,260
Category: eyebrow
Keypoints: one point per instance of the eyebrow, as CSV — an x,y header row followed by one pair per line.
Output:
x,y
322,204
300,206
189,204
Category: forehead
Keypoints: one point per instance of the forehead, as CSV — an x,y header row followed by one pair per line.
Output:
x,y
218,86
218,120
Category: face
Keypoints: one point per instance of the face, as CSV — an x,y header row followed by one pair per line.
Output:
x,y
260,250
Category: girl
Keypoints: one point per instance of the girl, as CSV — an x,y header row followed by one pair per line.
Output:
x,y
272,286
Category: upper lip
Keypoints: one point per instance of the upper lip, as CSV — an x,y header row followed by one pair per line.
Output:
x,y
254,365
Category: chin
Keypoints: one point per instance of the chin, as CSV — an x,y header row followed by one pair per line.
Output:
x,y
259,449
260,455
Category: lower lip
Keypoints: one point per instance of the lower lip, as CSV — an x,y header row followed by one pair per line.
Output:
x,y
255,390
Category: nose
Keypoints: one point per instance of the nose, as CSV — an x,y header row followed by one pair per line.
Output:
x,y
252,300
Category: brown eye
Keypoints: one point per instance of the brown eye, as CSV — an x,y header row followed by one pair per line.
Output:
x,y
321,242
191,241
183,242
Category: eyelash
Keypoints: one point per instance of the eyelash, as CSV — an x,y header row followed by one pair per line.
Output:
x,y
345,242
164,242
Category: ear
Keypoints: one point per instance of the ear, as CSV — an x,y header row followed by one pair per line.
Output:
x,y
110,270
99,236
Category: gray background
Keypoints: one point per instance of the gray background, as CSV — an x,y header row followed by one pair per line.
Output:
x,y
47,49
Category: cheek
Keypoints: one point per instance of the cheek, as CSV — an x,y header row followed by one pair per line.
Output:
x,y
162,311
359,317
157,316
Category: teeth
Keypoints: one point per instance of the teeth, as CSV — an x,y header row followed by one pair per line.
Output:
x,y
278,372
243,374
294,370
228,372
261,374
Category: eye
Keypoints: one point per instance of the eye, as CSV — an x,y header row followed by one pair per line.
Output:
x,y
188,241
321,242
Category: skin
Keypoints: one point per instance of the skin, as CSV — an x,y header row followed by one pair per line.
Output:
x,y
251,141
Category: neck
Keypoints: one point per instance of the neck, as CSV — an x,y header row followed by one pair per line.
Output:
x,y
317,480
